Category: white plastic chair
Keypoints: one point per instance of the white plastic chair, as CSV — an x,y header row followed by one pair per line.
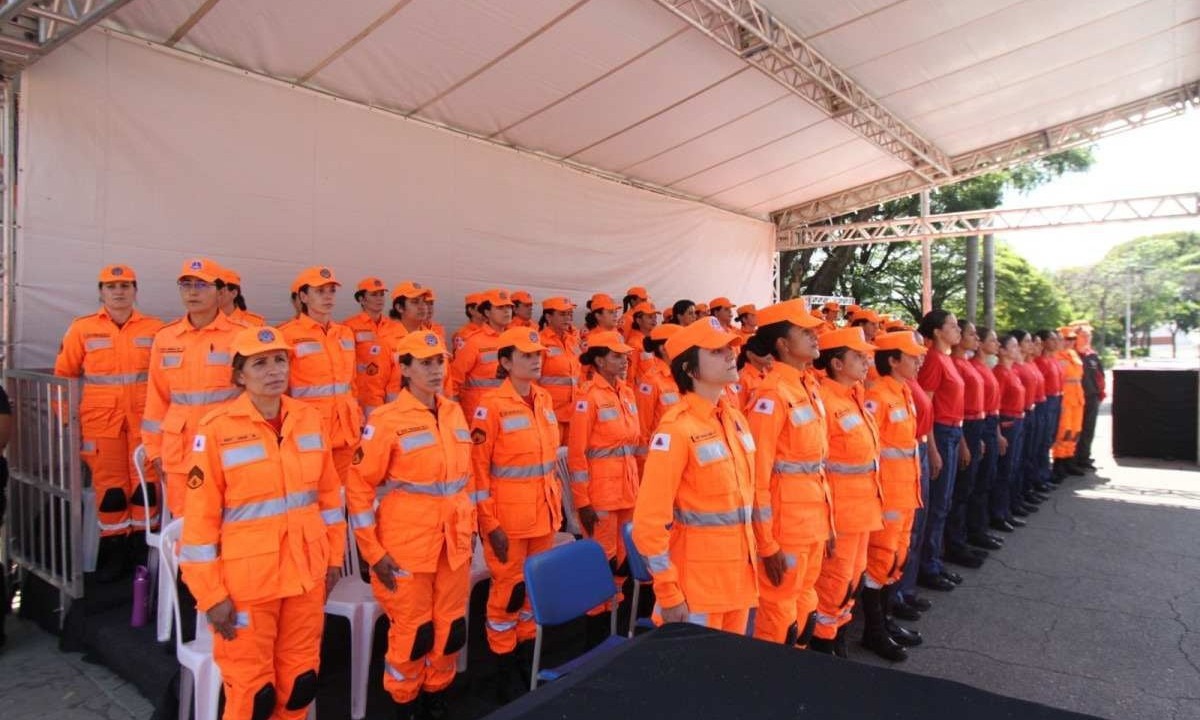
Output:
x,y
200,681
159,580
353,599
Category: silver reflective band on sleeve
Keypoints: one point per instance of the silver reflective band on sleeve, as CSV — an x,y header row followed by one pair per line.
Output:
x,y
127,379
391,397
364,336
100,343
711,451
438,489
737,516
87,446
172,361
897,453
698,619
479,496
483,383
616,452
891,515
361,367
305,349
198,553
313,391
151,425
462,435
395,673
363,519
346,344
270,508
218,358
241,620
521,472
238,456
417,440
802,414
658,563
552,380
488,357
789,560
123,525
514,423
553,351
898,415
761,514
310,441
333,516
204,397
580,476
669,398
845,469
143,342
495,626
785,467
607,414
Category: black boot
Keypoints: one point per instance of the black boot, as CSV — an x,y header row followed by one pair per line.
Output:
x,y
524,664
408,710
597,629
805,636
839,643
1073,468
875,635
112,558
902,635
433,706
822,646
509,683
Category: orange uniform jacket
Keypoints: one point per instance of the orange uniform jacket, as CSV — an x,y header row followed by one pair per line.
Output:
x,y
561,371
419,466
374,365
891,402
853,464
656,392
322,375
247,318
462,335
749,379
436,328
190,374
114,363
788,424
692,521
514,454
634,339
264,511
473,370
605,441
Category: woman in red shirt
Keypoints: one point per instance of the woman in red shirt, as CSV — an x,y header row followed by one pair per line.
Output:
x,y
1035,399
906,604
957,549
1052,374
994,444
940,379
1006,490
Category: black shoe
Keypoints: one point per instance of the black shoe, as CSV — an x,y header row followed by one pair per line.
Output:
x,y
509,683
876,637
996,538
1017,522
935,582
1035,498
963,558
1089,464
1030,508
952,576
113,558
985,542
903,636
1044,488
597,630
839,643
1059,472
821,645
406,711
1020,511
1073,469
919,603
1002,525
981,554
433,706
904,611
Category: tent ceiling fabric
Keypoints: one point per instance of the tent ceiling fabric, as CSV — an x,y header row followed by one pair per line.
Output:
x,y
629,88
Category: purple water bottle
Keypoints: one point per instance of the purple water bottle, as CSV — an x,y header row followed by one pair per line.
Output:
x,y
141,596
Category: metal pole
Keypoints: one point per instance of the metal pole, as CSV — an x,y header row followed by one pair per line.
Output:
x,y
926,261
8,116
972,276
989,281
1128,309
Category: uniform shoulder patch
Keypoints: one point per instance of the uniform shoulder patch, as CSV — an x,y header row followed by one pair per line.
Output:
x,y
480,413
661,442
198,444
766,406
368,432
195,477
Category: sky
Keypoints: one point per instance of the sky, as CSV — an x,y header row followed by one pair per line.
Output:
x,y
1159,159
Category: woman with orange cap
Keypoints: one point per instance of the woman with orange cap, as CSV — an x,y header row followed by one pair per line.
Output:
x,y
416,459
561,371
602,316
265,533
373,362
475,321
747,320
656,388
645,319
853,472
430,323
634,296
684,312
322,368
753,365
233,301
522,309
473,370
693,518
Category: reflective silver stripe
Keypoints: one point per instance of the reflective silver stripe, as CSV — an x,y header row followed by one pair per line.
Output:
x,y
310,441
172,361
87,446
363,519
898,415
241,620
395,673
462,435
333,516
204,397
346,344
607,414
480,495
1073,381
524,616
497,627
891,515
143,342
99,343
554,351
483,383
361,367
580,476
198,553
270,508
123,525
552,380
218,358
305,349
391,397
897,453
149,425
789,560
616,452
514,423
669,398
698,618
802,414
785,467
850,422
761,514
736,516
364,336
418,440
127,379
235,457
711,451
521,472
439,489
488,357
844,469
313,391
658,563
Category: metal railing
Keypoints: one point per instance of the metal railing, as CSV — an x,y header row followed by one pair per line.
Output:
x,y
44,530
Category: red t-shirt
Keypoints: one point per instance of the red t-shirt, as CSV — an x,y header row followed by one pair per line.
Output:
x,y
1012,391
939,376
1035,387
972,389
991,388
1052,374
924,409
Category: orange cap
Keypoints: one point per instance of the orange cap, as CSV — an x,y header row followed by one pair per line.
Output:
x,y
255,340
522,338
431,293
600,301
117,273
410,290
851,337
865,314
895,325
831,305
421,344
497,297
638,292
202,268
370,284
718,303
645,308
664,331
668,313
558,304
851,309
609,339
1067,332
704,333
474,298
749,310
701,309
790,311
315,276
905,342
522,297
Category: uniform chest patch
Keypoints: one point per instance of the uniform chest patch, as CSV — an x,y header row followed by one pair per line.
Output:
x,y
195,477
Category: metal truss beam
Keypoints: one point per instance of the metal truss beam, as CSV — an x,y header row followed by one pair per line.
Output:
x,y
952,225
1082,131
29,29
748,30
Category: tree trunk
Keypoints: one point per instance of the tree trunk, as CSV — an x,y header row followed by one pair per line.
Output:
x,y
824,281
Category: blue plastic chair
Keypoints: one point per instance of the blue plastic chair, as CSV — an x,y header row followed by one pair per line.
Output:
x,y
641,576
563,584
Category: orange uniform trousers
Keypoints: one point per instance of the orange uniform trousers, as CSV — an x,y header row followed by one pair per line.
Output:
x,y
422,611
779,608
732,621
509,616
119,502
1070,423
607,532
277,651
887,550
838,581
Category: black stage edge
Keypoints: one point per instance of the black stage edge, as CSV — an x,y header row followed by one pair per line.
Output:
x,y
1155,413
689,672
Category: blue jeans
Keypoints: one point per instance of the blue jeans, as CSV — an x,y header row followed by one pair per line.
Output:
x,y
1006,490
907,587
941,490
964,486
1049,431
978,513
1034,420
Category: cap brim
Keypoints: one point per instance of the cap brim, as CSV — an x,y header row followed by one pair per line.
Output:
x,y
619,347
206,277
862,347
270,347
425,352
529,347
